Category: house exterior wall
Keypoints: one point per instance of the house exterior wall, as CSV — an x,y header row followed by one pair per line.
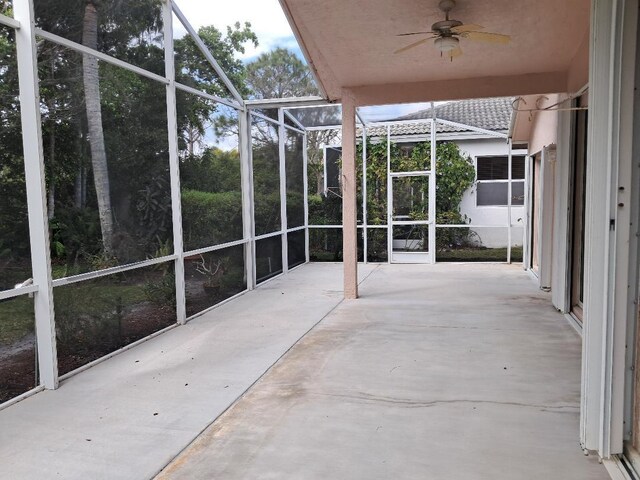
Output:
x,y
544,125
490,215
539,129
485,217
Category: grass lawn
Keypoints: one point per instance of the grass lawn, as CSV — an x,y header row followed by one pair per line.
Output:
x,y
17,317
479,255
457,255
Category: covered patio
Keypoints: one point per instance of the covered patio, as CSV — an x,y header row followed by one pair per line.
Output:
x,y
161,314
444,370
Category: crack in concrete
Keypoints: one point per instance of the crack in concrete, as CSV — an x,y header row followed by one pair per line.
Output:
x,y
418,404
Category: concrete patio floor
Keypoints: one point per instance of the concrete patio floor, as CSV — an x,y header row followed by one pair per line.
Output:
x,y
445,371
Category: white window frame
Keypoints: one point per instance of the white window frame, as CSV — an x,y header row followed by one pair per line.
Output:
x,y
506,180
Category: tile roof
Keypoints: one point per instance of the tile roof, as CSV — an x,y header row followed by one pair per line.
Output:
x,y
487,113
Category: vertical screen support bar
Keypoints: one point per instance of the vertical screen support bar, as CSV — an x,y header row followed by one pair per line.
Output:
x,y
283,189
305,186
389,199
174,162
509,200
246,173
365,230
36,192
432,191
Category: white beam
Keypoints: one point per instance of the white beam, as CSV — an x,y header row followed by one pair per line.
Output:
x,y
282,138
246,173
36,192
99,55
293,102
9,22
509,200
174,163
365,220
208,96
294,120
305,179
432,189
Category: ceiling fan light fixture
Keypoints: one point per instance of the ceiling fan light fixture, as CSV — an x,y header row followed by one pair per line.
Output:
x,y
446,44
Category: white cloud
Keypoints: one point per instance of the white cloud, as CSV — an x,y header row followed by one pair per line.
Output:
x,y
266,17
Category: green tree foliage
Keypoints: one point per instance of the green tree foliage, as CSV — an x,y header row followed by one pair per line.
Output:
x,y
279,74
14,229
193,69
454,175
134,124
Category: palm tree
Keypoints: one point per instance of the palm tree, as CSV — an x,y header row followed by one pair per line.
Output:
x,y
91,80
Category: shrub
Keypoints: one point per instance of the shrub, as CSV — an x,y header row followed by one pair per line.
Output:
x,y
211,218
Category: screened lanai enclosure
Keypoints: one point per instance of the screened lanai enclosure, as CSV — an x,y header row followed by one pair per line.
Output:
x,y
140,188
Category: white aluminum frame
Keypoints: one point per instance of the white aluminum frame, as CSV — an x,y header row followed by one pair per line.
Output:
x,y
412,257
9,22
207,54
445,136
42,287
174,164
283,190
36,192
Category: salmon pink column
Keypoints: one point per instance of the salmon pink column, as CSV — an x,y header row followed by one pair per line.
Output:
x,y
349,207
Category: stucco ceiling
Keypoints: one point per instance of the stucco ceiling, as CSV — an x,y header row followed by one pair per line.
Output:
x,y
350,44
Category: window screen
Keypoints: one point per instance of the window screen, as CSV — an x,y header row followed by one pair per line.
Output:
x,y
496,194
497,168
333,168
517,168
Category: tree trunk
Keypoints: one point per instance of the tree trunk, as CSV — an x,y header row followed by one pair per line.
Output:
x,y
77,189
91,81
51,194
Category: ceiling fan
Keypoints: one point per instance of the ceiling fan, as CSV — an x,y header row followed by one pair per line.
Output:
x,y
448,32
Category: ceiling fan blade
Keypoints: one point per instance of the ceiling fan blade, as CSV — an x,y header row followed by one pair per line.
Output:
x,y
455,53
487,37
412,33
412,45
467,28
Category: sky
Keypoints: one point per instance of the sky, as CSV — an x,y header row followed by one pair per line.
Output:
x,y
272,28
266,17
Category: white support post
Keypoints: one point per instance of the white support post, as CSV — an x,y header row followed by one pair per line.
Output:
x,y
389,200
36,192
349,204
246,173
607,224
305,179
174,162
432,190
509,199
282,138
324,167
365,230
